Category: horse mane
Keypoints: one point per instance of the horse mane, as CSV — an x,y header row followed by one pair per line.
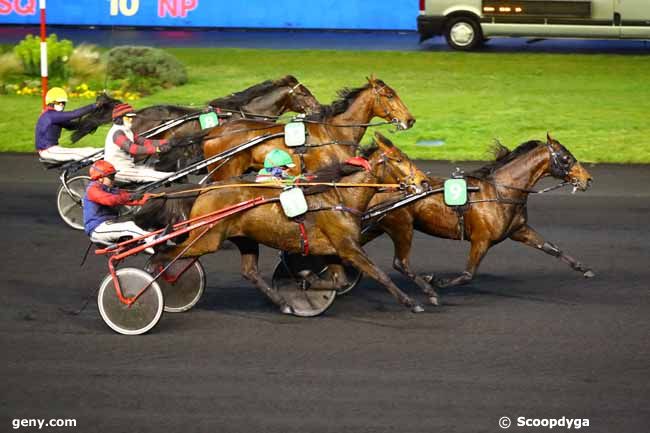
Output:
x,y
89,123
503,156
330,173
237,100
346,97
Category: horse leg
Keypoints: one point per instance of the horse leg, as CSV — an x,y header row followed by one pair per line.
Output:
x,y
528,236
358,258
250,251
477,251
402,241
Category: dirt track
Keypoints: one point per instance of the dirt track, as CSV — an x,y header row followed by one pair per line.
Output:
x,y
529,337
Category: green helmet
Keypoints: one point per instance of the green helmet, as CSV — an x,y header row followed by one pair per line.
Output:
x,y
278,158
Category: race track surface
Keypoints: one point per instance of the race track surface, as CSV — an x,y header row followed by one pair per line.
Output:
x,y
528,338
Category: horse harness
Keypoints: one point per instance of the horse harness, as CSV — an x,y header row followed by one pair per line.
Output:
x,y
557,168
300,220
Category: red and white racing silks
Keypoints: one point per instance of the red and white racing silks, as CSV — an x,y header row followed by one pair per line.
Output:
x,y
122,145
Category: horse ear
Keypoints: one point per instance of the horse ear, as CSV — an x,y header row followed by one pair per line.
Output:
x,y
549,139
372,80
382,139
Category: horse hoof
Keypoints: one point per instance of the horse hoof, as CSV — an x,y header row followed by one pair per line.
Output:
x,y
417,309
286,309
589,274
434,300
428,278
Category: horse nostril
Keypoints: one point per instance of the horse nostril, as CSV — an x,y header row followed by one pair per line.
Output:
x,y
411,122
589,182
425,184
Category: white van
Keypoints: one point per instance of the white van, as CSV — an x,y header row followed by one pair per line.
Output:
x,y
467,23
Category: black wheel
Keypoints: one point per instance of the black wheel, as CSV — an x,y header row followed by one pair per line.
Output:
x,y
296,291
143,314
71,206
463,33
181,290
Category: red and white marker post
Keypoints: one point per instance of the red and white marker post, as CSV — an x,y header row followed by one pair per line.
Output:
x,y
41,5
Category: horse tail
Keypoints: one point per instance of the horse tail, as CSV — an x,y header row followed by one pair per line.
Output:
x,y
159,212
195,139
101,115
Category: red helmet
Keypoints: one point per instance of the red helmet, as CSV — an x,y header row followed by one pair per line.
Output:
x,y
121,110
101,169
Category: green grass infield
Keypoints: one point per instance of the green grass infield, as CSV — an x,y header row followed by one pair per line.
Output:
x,y
596,105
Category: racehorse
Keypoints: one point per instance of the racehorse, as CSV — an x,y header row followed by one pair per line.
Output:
x,y
101,115
332,225
268,99
494,213
265,100
333,133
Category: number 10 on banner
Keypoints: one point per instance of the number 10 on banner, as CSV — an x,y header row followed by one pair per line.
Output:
x,y
455,192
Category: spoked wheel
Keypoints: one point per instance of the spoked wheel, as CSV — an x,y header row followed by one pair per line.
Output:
x,y
182,284
353,275
302,294
140,316
71,206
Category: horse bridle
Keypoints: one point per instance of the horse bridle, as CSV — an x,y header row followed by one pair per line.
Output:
x,y
558,169
404,181
378,100
291,91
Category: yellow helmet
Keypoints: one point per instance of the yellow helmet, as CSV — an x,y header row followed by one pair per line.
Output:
x,y
56,94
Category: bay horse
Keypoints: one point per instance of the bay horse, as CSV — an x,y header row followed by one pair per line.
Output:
x,y
496,212
265,100
333,133
332,224
268,99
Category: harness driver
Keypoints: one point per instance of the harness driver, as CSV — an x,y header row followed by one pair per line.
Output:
x,y
50,124
122,144
101,203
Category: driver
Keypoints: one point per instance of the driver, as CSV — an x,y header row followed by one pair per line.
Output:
x,y
122,144
277,164
101,207
52,120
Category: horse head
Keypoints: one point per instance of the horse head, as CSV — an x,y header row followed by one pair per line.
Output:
x,y
388,105
298,98
101,115
390,165
563,165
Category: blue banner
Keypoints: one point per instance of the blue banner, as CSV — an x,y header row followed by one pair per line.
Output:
x,y
281,14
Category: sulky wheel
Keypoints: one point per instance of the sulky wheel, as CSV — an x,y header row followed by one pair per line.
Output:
x,y
70,206
299,280
353,275
143,314
182,284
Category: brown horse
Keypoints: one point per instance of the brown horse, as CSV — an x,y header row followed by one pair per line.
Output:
x,y
334,132
496,212
266,100
332,225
